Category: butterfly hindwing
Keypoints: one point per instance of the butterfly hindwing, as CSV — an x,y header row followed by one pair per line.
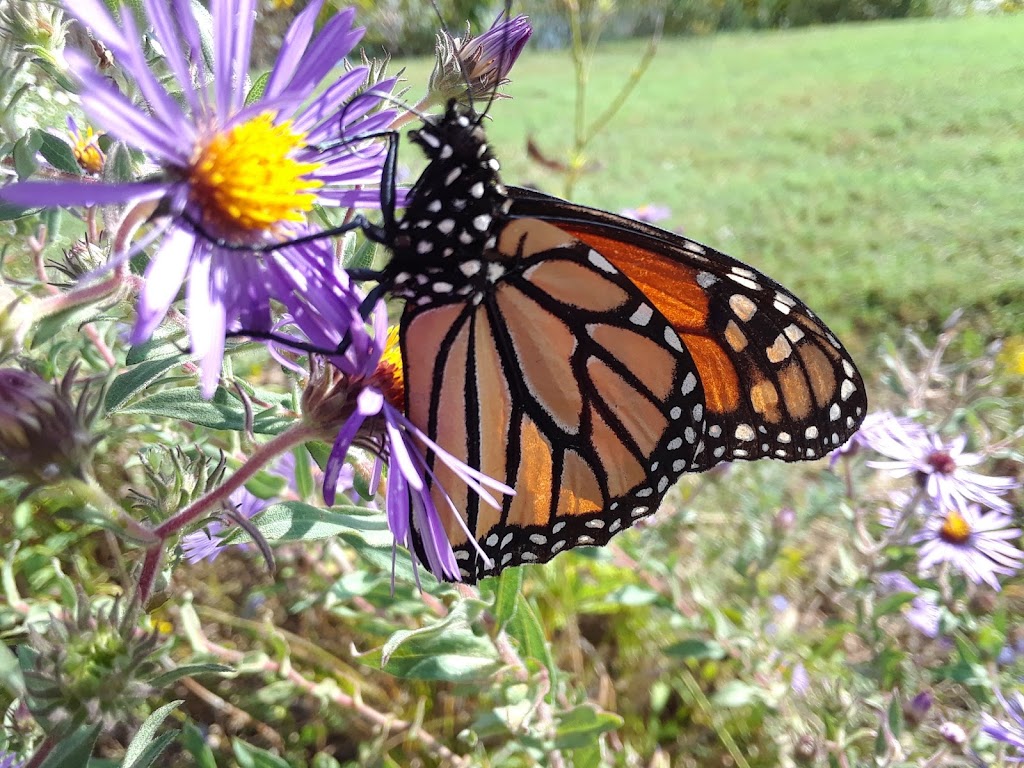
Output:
x,y
559,378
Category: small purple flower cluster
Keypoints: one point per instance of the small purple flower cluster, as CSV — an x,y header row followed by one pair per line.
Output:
x,y
238,170
951,526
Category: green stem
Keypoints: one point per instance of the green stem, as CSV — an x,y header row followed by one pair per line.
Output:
x,y
89,491
702,701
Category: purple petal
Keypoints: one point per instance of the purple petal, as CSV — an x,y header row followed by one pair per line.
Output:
x,y
114,112
165,109
164,276
74,193
335,41
294,45
342,443
160,15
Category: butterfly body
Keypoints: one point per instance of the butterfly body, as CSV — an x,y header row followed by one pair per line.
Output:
x,y
587,360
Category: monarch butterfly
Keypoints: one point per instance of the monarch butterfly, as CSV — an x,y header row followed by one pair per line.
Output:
x,y
586,359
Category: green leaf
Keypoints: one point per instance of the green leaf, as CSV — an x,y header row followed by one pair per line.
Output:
x,y
220,412
736,693
10,211
580,727
59,154
528,632
510,584
695,648
137,378
144,738
11,678
75,750
305,485
449,650
891,604
72,318
249,756
256,92
190,670
990,640
895,716
166,341
297,521
192,740
24,154
154,750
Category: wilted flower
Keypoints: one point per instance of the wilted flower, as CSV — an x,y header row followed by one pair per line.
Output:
x,y
937,466
94,665
1009,731
973,543
236,177
650,213
43,434
473,68
358,398
953,733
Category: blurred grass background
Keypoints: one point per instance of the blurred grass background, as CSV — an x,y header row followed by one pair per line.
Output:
x,y
876,169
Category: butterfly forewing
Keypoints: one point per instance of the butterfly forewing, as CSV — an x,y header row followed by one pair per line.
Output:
x,y
562,381
777,383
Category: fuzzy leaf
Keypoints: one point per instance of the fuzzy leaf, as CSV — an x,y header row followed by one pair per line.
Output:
x,y
220,412
192,740
58,154
580,727
190,670
449,650
296,521
144,739
510,584
137,378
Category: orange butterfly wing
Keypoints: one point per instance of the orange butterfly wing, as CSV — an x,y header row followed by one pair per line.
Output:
x,y
777,383
560,379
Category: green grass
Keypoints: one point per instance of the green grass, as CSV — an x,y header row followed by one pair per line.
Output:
x,y
876,169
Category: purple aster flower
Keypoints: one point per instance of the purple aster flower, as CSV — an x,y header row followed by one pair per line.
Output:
x,y
651,213
974,543
877,428
235,177
9,760
925,615
1009,731
205,544
362,395
938,466
474,68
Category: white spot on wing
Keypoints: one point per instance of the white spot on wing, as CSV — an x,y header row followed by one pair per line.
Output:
x,y
601,262
642,316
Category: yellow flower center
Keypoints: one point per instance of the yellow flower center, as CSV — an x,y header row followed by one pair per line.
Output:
x,y
245,181
389,376
87,151
955,530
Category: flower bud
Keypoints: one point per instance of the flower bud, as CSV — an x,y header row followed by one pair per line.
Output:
x,y
473,68
43,436
915,710
89,664
38,28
